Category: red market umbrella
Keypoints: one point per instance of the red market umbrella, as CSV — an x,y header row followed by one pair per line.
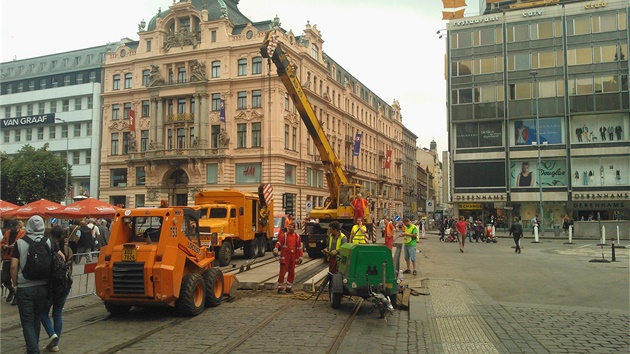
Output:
x,y
43,207
5,208
88,207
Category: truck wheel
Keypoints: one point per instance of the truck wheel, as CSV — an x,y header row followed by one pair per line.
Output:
x,y
250,249
225,254
192,295
262,246
116,310
213,279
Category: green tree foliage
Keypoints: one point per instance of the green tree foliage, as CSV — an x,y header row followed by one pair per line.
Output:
x,y
33,174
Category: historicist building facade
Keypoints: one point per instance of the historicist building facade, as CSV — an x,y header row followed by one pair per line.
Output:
x,y
192,105
538,110
55,100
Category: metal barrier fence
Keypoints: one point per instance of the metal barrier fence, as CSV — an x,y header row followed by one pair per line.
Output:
x,y
83,274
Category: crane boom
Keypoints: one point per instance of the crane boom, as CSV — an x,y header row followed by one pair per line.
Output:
x,y
334,172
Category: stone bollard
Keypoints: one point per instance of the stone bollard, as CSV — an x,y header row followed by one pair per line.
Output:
x,y
535,234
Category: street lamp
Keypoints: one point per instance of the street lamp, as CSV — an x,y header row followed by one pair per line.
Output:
x,y
542,216
65,197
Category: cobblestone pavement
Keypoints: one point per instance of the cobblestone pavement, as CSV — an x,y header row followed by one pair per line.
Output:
x,y
465,309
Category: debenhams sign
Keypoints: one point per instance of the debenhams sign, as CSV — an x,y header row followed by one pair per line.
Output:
x,y
18,122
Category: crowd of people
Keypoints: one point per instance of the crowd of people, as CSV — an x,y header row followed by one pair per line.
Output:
x,y
33,294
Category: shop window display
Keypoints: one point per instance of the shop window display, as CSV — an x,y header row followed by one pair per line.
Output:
x,y
602,171
596,129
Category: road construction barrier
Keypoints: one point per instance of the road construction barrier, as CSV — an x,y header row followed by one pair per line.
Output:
x,y
83,275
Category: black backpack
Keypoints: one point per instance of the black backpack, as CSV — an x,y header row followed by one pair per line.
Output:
x,y
61,280
39,259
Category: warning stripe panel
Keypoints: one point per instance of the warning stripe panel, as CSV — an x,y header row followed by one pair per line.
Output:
x,y
78,269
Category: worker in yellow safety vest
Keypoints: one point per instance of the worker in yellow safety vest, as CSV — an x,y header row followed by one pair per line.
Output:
x,y
359,233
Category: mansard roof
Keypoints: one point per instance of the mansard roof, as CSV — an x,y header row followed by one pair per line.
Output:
x,y
217,9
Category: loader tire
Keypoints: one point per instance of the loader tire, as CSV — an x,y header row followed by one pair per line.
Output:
x,y
213,280
116,310
225,254
192,295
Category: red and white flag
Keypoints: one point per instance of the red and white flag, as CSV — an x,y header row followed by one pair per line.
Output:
x,y
388,159
132,121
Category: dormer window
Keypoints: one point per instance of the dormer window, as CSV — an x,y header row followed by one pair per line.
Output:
x,y
314,52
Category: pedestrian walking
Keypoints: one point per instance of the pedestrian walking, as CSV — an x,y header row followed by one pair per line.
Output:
x,y
461,227
103,238
31,294
410,240
85,243
7,244
54,332
516,231
290,253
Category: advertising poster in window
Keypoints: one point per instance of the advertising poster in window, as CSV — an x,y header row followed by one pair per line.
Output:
x,y
524,174
490,134
550,131
248,173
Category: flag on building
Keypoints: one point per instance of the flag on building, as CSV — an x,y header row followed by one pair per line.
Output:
x,y
357,145
388,158
222,114
132,121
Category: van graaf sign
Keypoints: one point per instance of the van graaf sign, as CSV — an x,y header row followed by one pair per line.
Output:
x,y
39,119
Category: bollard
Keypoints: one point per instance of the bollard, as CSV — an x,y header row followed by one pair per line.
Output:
x,y
604,235
535,234
570,236
612,242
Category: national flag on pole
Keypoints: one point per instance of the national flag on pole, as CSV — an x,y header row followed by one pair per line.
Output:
x,y
273,43
222,115
357,144
388,159
132,121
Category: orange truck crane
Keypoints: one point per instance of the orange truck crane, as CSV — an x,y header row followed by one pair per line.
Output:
x,y
341,191
155,258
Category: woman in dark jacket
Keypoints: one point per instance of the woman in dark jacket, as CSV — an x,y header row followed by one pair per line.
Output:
x,y
516,230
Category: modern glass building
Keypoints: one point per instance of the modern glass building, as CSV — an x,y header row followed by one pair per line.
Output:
x,y
539,112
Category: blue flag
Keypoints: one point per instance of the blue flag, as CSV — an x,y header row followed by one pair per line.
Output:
x,y
222,114
357,144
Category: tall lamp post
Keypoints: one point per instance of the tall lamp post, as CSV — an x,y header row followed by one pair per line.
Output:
x,y
65,197
542,215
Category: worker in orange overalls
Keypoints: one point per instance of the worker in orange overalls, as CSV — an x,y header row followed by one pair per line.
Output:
x,y
290,246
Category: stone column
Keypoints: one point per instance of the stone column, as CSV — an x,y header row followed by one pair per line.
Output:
x,y
204,120
160,124
153,115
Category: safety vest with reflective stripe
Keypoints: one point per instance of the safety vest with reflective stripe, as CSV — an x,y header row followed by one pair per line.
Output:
x,y
359,236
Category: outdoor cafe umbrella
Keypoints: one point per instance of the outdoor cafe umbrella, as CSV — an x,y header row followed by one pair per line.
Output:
x,y
43,207
88,207
6,207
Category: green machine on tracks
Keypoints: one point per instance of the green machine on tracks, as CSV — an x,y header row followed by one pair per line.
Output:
x,y
366,271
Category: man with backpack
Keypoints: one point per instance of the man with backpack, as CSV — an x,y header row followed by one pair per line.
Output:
x,y
31,269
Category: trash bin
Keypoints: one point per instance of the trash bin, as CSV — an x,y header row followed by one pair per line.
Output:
x,y
556,231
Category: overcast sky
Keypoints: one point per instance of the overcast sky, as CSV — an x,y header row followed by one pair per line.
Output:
x,y
390,46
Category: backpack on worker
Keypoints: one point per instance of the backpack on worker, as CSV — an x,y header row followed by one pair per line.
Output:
x,y
39,259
